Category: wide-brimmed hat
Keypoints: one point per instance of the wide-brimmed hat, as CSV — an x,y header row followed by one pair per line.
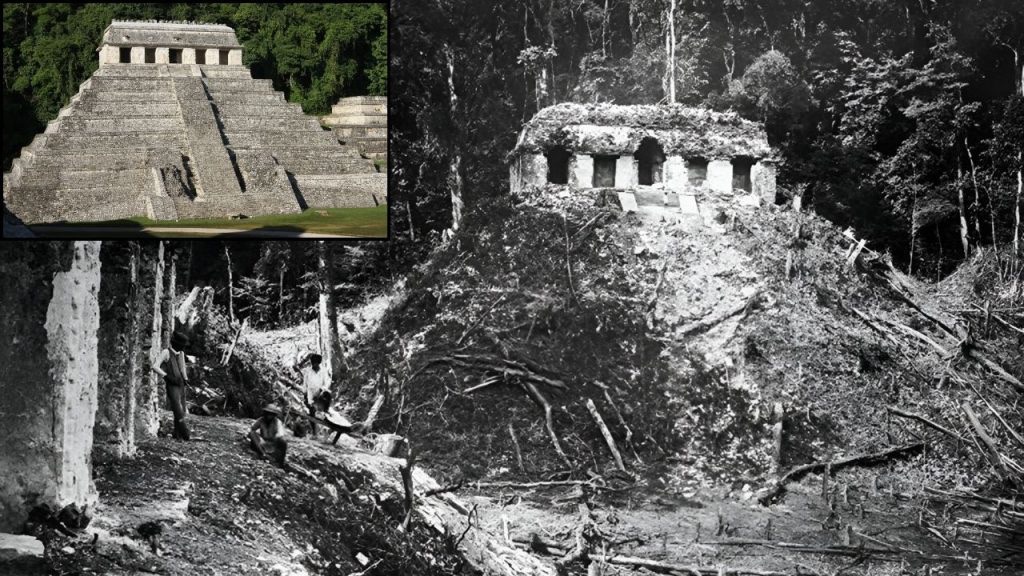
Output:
x,y
316,357
272,409
179,339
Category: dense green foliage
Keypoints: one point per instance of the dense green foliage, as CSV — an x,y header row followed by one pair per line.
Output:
x,y
886,112
314,53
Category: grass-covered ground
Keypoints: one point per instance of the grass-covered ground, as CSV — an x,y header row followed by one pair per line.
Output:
x,y
360,222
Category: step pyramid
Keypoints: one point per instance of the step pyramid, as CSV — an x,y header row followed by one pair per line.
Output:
x,y
361,121
160,130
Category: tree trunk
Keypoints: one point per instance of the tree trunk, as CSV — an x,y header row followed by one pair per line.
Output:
x,y
454,176
280,294
1016,210
135,304
963,213
231,287
977,199
330,344
147,418
170,293
672,53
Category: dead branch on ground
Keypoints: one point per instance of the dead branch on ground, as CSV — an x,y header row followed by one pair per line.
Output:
x,y
777,487
711,321
994,456
549,422
926,422
606,433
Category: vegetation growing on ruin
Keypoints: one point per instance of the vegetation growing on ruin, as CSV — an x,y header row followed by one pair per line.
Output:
x,y
314,53
885,113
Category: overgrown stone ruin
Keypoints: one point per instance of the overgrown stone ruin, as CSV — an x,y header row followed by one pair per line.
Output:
x,y
361,121
657,155
172,125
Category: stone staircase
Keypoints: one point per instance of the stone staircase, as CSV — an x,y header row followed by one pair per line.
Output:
x,y
361,121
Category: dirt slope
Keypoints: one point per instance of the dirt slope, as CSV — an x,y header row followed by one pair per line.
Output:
x,y
685,332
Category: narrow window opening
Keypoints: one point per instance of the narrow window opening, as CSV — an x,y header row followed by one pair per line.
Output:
x,y
200,56
696,171
223,57
650,159
126,56
175,55
604,171
558,165
741,173
150,55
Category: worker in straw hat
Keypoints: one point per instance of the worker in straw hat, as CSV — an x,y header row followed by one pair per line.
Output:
x,y
268,431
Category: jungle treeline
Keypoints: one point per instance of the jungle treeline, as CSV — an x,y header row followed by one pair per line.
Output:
x,y
901,118
314,53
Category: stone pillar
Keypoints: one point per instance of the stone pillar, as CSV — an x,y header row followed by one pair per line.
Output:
x,y
762,177
188,56
120,357
163,55
235,57
582,175
50,314
212,56
625,172
673,173
720,176
138,55
109,55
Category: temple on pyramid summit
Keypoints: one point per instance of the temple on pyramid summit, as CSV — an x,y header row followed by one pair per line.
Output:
x,y
173,126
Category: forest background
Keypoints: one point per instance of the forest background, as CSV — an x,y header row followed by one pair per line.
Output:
x,y
314,53
900,118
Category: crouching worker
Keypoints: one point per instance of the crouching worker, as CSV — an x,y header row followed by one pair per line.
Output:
x,y
268,432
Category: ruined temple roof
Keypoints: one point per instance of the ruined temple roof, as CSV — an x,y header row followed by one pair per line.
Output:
x,y
615,129
169,34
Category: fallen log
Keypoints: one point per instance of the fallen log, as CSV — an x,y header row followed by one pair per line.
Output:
x,y
779,486
710,321
994,455
231,349
606,433
549,422
926,422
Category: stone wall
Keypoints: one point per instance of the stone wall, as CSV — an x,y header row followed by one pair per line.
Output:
x,y
48,375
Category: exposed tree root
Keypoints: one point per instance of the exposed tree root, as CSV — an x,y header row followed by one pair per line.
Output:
x,y
926,422
549,423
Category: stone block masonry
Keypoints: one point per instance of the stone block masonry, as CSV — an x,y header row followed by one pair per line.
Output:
x,y
50,312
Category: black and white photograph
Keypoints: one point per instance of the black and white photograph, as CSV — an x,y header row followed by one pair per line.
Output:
x,y
642,288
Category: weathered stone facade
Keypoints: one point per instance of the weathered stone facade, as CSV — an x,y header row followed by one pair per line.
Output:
x,y
163,137
361,121
48,375
663,154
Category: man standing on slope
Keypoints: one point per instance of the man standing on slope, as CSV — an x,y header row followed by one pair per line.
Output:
x,y
316,387
171,367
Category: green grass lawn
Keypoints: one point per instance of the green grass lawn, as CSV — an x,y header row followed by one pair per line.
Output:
x,y
361,222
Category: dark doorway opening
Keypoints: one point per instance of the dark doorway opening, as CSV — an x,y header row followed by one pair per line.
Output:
x,y
604,171
126,55
696,171
200,56
223,57
150,55
741,166
175,55
558,165
650,159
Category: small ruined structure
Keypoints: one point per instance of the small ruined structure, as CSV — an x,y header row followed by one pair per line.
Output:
x,y
664,154
361,121
172,125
